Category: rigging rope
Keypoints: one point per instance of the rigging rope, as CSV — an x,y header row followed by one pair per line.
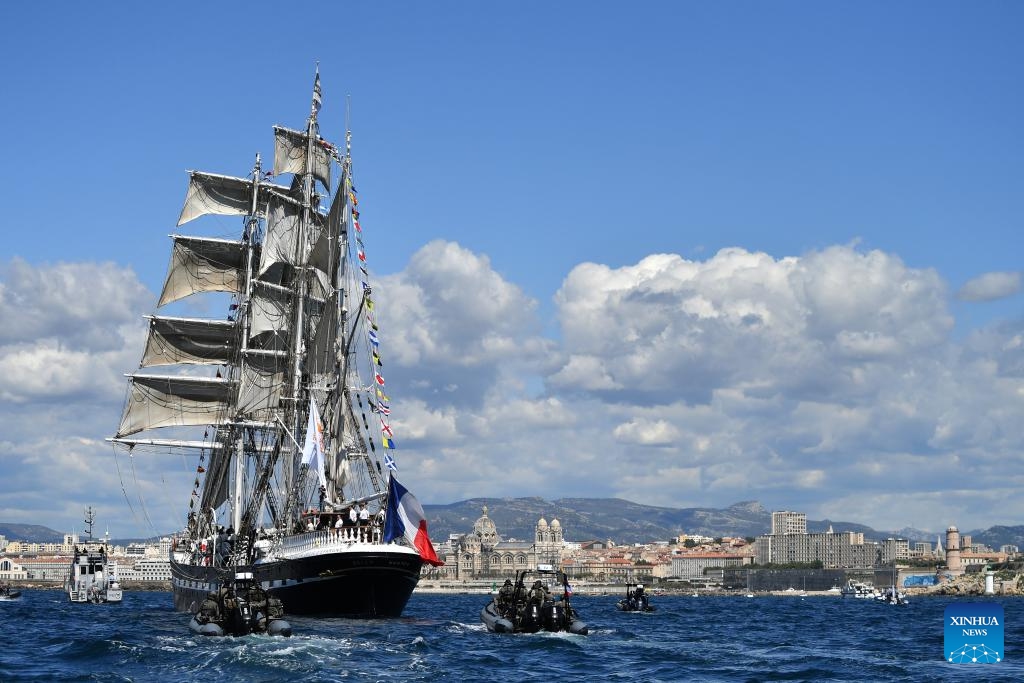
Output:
x,y
120,479
142,503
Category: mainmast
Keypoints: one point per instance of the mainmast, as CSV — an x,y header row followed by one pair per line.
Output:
x,y
249,238
312,134
338,450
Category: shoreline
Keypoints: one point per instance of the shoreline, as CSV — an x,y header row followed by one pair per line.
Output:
x,y
962,586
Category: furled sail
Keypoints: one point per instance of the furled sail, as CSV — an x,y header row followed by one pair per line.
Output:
x,y
290,155
188,340
201,264
215,485
174,401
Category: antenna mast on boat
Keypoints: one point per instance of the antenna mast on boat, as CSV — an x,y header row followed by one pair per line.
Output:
x,y
90,517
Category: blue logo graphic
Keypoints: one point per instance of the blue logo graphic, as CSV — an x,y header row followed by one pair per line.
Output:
x,y
973,633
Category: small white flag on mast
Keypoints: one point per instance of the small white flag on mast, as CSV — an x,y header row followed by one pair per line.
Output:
x,y
313,450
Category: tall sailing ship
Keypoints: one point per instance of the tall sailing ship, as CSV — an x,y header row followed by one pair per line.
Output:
x,y
295,468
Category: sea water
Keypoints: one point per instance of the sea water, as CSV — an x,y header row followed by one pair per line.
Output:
x,y
441,638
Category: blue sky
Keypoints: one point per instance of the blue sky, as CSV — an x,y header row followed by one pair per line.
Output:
x,y
867,154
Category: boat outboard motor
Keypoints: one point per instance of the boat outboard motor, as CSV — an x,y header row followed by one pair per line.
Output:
x,y
532,615
555,616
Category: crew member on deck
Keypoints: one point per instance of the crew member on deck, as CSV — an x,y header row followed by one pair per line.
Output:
x,y
352,522
538,593
364,521
505,594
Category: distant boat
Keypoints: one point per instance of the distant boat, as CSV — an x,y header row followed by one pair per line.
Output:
x,y
6,593
636,599
92,577
893,595
858,589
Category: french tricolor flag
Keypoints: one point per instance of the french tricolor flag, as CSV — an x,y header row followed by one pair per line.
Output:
x,y
405,518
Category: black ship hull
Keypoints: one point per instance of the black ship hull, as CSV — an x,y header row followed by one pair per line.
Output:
x,y
352,583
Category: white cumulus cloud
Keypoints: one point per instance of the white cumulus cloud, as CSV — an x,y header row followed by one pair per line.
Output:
x,y
990,286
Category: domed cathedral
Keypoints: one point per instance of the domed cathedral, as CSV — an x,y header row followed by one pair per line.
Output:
x,y
548,541
481,554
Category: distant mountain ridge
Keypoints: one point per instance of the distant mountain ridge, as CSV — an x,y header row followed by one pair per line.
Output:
x,y
36,533
626,522
33,533
616,519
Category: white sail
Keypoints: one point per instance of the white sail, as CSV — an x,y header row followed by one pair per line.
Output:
x,y
156,401
290,155
201,264
280,246
259,392
200,341
270,316
217,194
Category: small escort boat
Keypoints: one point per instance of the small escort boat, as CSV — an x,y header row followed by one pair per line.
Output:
x,y
635,600
238,608
517,609
859,590
893,596
91,578
7,594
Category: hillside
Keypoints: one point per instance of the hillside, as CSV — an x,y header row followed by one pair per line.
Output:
x,y
33,533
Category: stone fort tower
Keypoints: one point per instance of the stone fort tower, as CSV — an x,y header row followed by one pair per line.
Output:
x,y
953,563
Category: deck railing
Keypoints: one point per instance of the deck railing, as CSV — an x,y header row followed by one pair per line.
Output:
x,y
333,538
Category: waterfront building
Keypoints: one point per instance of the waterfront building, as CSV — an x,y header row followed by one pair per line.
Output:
x,y
786,522
55,567
483,554
696,565
972,561
607,570
895,549
844,549
146,569
11,570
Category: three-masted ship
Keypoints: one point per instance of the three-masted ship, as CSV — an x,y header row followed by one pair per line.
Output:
x,y
294,466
